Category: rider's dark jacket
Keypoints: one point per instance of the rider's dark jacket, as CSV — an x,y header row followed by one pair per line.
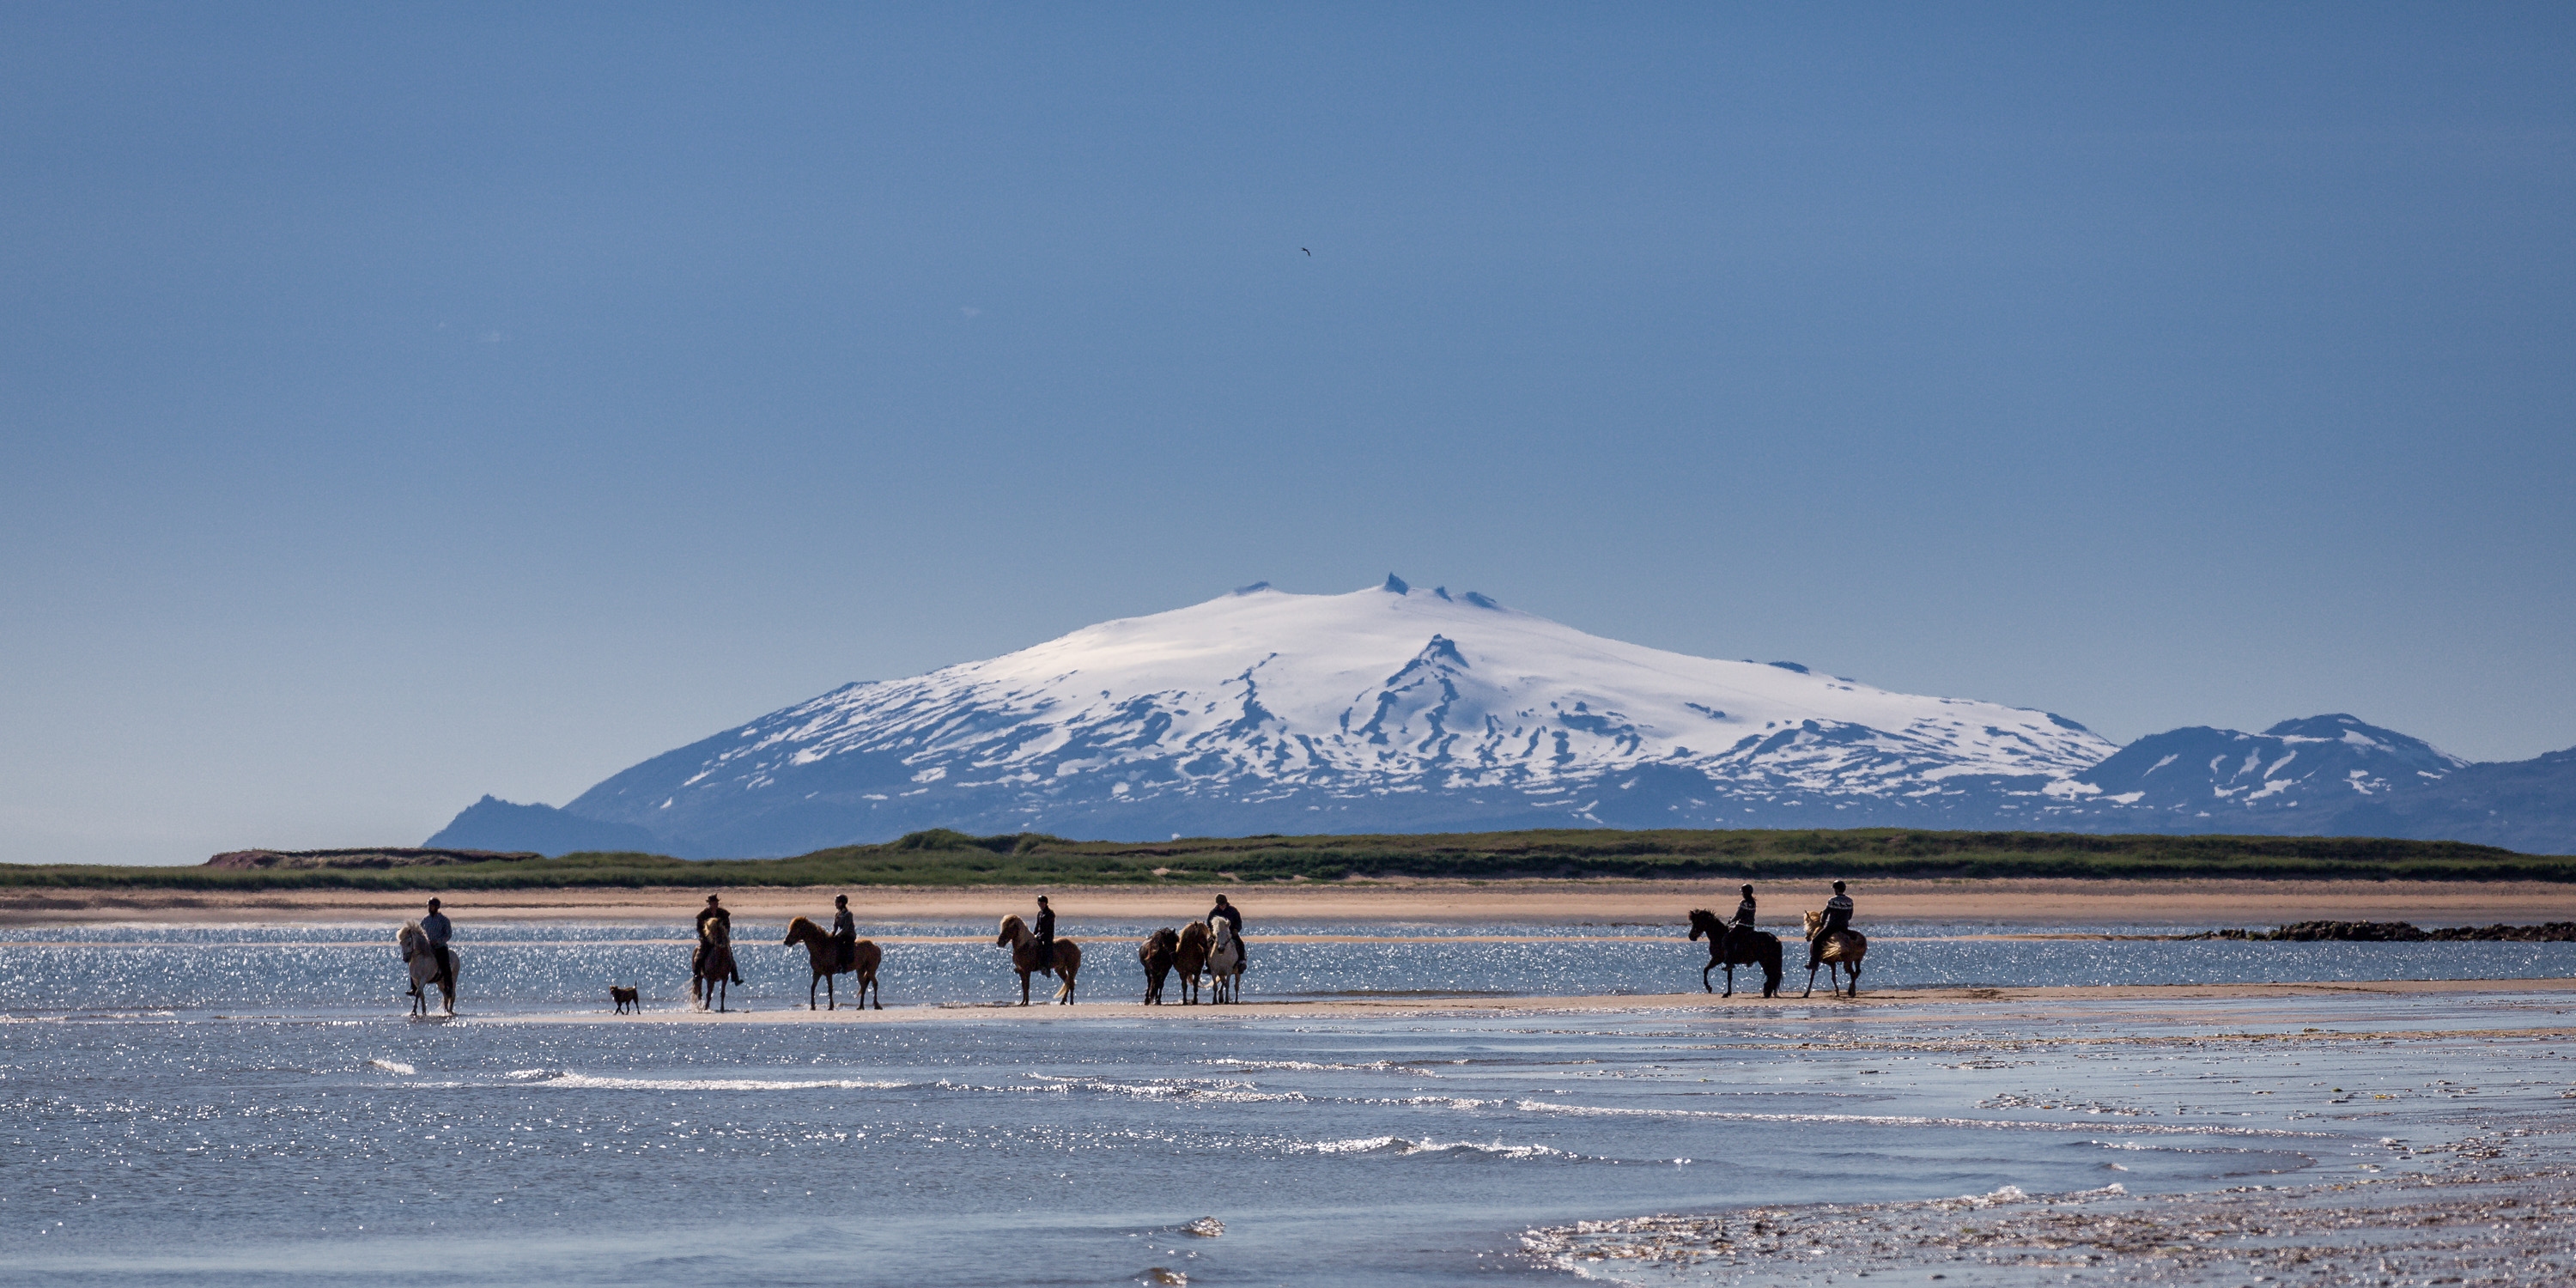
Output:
x,y
844,926
1045,932
1838,915
1744,913
1233,917
706,915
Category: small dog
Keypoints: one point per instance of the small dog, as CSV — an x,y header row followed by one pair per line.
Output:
x,y
625,997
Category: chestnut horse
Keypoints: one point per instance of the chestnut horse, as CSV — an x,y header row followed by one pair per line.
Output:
x,y
422,959
1841,951
1729,948
1156,954
824,953
1024,958
1191,958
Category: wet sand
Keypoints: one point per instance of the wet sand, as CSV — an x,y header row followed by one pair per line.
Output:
x,y
2130,1006
2032,902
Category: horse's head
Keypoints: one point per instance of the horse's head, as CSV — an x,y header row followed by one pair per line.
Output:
x,y
1012,930
410,940
1224,930
1702,922
800,927
1814,919
719,933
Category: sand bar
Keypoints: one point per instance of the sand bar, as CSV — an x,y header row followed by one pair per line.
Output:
x,y
2036,901
2119,1005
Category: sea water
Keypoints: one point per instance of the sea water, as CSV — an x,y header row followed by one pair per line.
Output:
x,y
310,1135
58,969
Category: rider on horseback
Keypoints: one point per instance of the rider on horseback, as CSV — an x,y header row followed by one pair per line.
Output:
x,y
845,931
717,913
1743,923
1838,915
1228,913
435,929
1045,933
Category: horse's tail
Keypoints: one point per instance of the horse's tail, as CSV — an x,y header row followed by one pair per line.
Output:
x,y
1771,967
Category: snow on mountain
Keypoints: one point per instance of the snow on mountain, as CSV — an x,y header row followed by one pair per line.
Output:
x,y
1387,709
2200,778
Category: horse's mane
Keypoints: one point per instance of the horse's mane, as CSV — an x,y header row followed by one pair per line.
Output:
x,y
409,934
807,922
1009,920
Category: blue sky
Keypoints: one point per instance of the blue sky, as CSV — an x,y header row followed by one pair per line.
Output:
x,y
399,403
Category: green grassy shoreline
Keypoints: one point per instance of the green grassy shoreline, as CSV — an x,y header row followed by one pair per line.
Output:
x,y
942,858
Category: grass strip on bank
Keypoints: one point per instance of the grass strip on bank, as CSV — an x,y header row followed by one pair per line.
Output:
x,y
945,858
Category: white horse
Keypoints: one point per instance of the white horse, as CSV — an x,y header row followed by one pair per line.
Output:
x,y
1225,961
422,957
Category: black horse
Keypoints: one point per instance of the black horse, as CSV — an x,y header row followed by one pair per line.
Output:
x,y
1730,948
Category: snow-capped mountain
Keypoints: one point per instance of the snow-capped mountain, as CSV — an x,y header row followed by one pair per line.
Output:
x,y
1387,709
2243,781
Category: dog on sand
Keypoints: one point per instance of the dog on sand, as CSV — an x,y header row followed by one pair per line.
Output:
x,y
625,998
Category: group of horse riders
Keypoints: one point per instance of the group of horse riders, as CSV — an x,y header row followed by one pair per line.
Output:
x,y
1042,931
715,926
1838,915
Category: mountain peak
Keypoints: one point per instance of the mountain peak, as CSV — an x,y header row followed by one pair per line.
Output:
x,y
1264,710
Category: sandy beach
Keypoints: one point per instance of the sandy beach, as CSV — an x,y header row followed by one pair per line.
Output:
x,y
2037,902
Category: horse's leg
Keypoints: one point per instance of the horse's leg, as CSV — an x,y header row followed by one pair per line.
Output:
x,y
1811,981
1024,988
1730,979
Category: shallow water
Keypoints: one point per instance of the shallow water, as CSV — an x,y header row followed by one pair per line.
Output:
x,y
148,1139
53,970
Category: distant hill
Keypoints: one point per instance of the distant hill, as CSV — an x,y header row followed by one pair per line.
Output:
x,y
382,857
495,823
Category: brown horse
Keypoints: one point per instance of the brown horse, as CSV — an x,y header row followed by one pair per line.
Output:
x,y
1730,949
828,960
1841,951
1156,953
1191,958
715,970
1024,958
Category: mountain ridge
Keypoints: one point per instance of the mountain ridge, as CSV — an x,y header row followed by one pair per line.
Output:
x,y
1396,709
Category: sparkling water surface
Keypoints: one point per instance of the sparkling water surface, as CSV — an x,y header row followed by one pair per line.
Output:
x,y
553,965
312,1136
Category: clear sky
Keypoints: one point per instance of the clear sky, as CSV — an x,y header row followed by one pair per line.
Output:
x,y
404,402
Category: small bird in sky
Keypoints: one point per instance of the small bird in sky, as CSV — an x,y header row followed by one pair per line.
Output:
x,y
1309,254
